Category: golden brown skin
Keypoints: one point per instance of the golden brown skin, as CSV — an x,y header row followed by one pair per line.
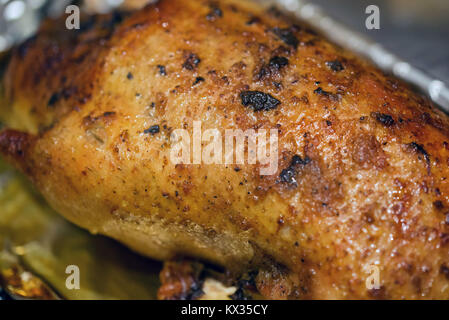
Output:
x,y
374,190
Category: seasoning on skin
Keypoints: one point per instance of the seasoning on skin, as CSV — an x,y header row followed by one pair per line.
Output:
x,y
288,175
335,65
130,76
153,130
198,80
191,62
162,70
259,101
383,118
287,36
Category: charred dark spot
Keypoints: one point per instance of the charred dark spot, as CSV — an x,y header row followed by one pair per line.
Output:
x,y
335,65
237,169
444,239
252,21
274,11
288,175
109,114
278,62
438,205
287,36
130,76
264,73
153,130
322,92
191,62
419,148
162,70
117,17
275,64
281,221
259,101
278,85
53,99
444,270
198,80
331,96
383,118
214,13
297,160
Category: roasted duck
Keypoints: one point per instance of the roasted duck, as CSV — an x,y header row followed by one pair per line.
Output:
x,y
363,160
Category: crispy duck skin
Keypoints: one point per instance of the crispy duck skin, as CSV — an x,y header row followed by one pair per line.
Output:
x,y
363,160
